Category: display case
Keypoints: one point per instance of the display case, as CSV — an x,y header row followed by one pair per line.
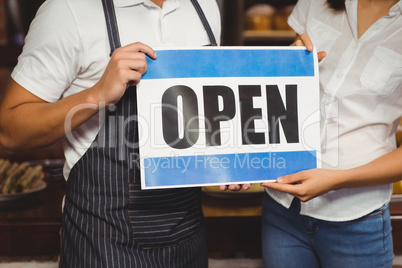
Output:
x,y
256,22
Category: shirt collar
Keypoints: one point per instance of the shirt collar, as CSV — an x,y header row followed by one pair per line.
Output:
x,y
397,8
126,3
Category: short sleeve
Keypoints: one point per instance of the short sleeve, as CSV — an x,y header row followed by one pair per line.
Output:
x,y
297,20
49,61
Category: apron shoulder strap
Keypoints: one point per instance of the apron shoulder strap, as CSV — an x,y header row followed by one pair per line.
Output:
x,y
204,22
113,32
111,24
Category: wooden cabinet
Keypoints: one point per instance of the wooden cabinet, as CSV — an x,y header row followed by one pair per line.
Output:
x,y
31,226
233,225
9,55
395,208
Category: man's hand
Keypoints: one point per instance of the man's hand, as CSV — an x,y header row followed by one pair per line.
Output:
x,y
125,68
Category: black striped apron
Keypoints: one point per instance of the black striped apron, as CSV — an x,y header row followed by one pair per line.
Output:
x,y
108,221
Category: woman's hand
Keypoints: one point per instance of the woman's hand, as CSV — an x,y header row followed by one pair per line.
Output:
x,y
304,40
307,184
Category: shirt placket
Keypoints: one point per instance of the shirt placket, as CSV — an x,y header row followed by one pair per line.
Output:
x,y
329,98
329,102
168,7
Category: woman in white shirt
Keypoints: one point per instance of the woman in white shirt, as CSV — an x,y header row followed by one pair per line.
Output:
x,y
343,219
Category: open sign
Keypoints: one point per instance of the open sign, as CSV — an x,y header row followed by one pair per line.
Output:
x,y
214,116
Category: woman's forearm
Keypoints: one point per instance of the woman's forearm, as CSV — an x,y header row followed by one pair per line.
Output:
x,y
383,170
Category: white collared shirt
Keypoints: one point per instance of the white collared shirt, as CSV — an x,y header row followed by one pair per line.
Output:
x,y
361,100
67,48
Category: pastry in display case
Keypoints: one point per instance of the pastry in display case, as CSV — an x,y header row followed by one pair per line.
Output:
x,y
268,22
265,17
18,180
281,16
260,17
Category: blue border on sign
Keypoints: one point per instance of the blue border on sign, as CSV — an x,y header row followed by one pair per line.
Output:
x,y
230,63
224,168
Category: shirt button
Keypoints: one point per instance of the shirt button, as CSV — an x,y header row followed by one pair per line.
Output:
x,y
319,32
354,45
340,74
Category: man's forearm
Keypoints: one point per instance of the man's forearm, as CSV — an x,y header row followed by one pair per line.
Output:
x,y
36,123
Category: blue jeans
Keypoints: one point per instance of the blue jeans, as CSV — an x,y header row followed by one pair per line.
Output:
x,y
293,240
